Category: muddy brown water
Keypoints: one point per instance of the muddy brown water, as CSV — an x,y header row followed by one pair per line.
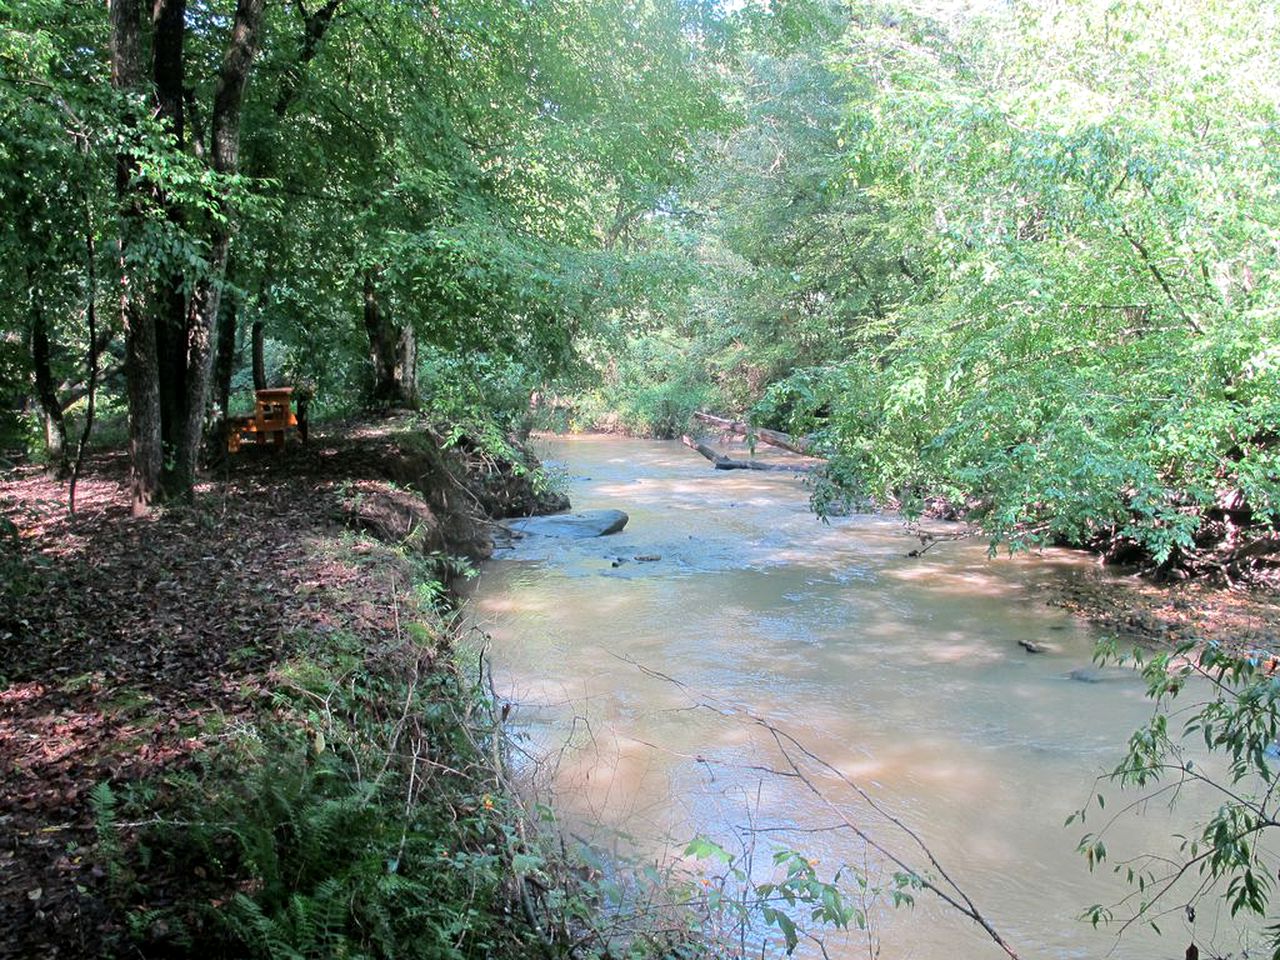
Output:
x,y
635,685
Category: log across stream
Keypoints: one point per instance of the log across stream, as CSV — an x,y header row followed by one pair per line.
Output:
x,y
635,681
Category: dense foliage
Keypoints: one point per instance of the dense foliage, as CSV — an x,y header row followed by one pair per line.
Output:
x,y
1021,261
356,193
1087,349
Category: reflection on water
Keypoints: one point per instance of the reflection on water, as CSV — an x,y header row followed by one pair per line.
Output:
x,y
637,683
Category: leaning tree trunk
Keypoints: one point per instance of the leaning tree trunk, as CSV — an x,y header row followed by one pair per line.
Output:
x,y
137,322
723,462
772,437
393,351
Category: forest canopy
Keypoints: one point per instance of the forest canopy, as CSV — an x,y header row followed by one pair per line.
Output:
x,y
1020,262
1017,259
367,192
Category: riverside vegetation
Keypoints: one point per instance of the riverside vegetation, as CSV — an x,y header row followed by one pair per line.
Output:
x,y
1019,259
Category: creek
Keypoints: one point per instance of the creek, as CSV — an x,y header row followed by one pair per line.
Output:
x,y
632,681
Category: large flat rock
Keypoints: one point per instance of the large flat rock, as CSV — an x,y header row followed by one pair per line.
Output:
x,y
577,526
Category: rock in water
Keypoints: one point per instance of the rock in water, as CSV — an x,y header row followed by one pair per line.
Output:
x,y
576,526
1030,646
1087,675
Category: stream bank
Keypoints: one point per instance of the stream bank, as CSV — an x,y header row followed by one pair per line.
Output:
x,y
252,726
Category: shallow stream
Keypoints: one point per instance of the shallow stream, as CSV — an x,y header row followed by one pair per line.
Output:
x,y
636,682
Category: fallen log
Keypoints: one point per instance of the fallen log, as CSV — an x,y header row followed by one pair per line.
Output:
x,y
722,462
775,438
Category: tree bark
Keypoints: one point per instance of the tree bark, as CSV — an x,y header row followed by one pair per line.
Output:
x,y
723,462
393,351
55,427
168,67
228,98
138,325
259,358
224,363
170,300
772,437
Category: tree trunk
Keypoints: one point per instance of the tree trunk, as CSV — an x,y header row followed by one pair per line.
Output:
x,y
168,66
168,76
772,437
55,427
393,351
91,362
722,462
138,324
224,364
228,98
170,320
259,358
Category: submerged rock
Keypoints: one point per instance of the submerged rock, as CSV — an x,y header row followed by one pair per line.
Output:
x,y
577,526
1098,675
1086,675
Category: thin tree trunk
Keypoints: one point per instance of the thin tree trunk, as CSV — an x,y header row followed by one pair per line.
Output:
x,y
259,357
138,325
55,427
91,362
69,394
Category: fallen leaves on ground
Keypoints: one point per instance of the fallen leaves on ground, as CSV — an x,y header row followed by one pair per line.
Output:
x,y
123,639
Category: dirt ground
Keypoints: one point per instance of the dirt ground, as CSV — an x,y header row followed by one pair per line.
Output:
x,y
1135,608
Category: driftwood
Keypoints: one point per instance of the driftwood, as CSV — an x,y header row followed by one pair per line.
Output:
x,y
774,438
722,462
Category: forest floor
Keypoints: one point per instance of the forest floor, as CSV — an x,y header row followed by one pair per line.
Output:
x,y
131,648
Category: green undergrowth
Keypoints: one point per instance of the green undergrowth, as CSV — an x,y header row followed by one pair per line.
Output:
x,y
362,809
356,815
649,386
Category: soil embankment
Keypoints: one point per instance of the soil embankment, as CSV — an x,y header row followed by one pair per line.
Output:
x,y
1138,609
